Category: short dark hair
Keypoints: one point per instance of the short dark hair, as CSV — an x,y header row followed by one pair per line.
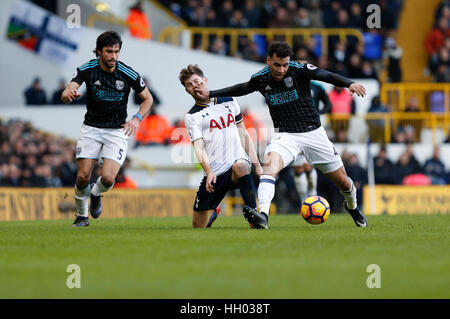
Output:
x,y
189,71
106,39
280,48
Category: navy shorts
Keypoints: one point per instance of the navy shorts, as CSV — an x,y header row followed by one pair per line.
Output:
x,y
209,201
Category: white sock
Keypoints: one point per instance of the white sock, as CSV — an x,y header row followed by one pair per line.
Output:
x,y
266,191
82,200
350,196
99,188
302,186
312,182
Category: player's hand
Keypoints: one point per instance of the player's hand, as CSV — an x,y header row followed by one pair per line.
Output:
x,y
357,88
203,92
130,127
69,96
211,179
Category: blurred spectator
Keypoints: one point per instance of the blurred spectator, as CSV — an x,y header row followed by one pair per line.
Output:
x,y
225,13
342,105
137,99
330,14
178,133
251,52
219,47
238,20
404,167
318,95
359,176
140,27
56,99
251,14
435,39
354,67
123,180
315,14
383,168
68,170
417,179
153,130
394,54
435,169
367,71
35,95
301,19
442,58
282,19
356,17
376,126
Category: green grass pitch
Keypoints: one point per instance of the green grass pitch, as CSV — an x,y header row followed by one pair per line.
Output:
x,y
166,258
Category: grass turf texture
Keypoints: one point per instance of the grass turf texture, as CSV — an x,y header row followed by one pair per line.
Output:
x,y
165,258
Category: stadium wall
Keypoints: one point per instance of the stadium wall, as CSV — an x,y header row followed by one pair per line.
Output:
x,y
59,203
410,200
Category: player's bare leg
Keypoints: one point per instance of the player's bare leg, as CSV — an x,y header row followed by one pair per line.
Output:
x,y
82,191
103,184
348,190
200,219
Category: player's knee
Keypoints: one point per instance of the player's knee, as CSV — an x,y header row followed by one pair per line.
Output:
x,y
82,180
241,169
108,180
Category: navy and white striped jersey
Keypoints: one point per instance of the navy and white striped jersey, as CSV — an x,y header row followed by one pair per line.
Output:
x,y
290,104
107,93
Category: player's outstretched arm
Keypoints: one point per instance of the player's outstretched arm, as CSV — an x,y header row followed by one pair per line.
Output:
x,y
70,93
235,90
336,80
249,147
199,149
132,125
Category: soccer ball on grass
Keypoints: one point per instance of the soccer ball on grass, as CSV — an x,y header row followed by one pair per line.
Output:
x,y
315,210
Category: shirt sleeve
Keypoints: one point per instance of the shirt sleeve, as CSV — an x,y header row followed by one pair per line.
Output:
x,y
193,128
138,85
237,112
314,73
78,76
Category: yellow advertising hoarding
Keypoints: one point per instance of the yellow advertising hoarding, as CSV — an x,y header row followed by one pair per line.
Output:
x,y
59,203
397,200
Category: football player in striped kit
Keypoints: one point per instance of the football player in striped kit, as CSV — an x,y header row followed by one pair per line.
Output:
x,y
105,130
222,146
285,84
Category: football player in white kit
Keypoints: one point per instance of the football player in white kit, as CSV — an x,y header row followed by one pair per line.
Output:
x,y
222,146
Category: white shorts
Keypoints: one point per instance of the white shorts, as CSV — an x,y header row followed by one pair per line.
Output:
x,y
97,143
314,146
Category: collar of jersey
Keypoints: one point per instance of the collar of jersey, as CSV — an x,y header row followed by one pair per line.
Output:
x,y
206,105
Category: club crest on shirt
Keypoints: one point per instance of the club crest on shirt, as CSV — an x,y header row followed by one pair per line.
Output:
x,y
78,150
289,82
120,85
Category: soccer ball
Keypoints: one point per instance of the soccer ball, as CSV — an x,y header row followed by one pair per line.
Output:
x,y
315,210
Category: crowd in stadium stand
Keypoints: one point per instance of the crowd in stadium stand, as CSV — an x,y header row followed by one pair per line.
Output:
x,y
32,158
345,57
437,44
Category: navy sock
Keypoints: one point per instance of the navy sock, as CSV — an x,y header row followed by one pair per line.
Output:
x,y
248,190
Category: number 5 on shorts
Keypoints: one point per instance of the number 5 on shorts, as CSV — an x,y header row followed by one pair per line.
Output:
x,y
120,154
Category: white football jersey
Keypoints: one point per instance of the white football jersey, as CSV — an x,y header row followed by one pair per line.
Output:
x,y
216,124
